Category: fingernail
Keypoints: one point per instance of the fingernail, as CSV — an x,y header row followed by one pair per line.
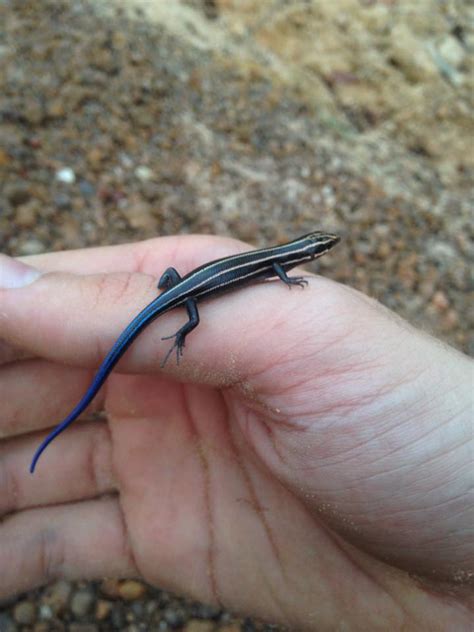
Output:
x,y
15,274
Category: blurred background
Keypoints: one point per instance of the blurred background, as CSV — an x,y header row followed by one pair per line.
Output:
x,y
258,119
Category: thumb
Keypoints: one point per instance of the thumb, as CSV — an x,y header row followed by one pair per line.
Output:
x,y
16,274
64,317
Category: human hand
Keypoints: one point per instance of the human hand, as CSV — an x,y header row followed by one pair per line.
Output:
x,y
308,458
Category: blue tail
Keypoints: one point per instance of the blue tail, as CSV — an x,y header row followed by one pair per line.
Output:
x,y
73,415
128,335
102,374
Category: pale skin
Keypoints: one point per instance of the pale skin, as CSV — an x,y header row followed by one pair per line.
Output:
x,y
309,462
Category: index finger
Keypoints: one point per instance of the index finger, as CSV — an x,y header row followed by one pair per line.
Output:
x,y
75,318
150,257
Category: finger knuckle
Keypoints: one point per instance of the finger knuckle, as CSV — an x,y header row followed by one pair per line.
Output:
x,y
116,288
51,555
9,488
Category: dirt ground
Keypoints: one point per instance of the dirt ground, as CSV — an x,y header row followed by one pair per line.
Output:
x,y
256,119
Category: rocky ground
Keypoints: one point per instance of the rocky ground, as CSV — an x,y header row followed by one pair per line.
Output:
x,y
261,120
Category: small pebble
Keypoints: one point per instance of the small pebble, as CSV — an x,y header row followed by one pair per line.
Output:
x,y
174,616
102,609
4,158
62,201
427,288
31,247
25,612
248,626
450,320
230,627
139,216
66,175
143,173
132,589
137,607
196,625
441,251
26,214
55,109
6,623
110,588
440,301
206,611
117,618
34,112
151,607
83,627
86,188
17,193
81,602
452,51
95,157
45,612
384,250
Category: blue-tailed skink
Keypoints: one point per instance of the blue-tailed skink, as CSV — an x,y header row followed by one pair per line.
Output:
x,y
203,282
